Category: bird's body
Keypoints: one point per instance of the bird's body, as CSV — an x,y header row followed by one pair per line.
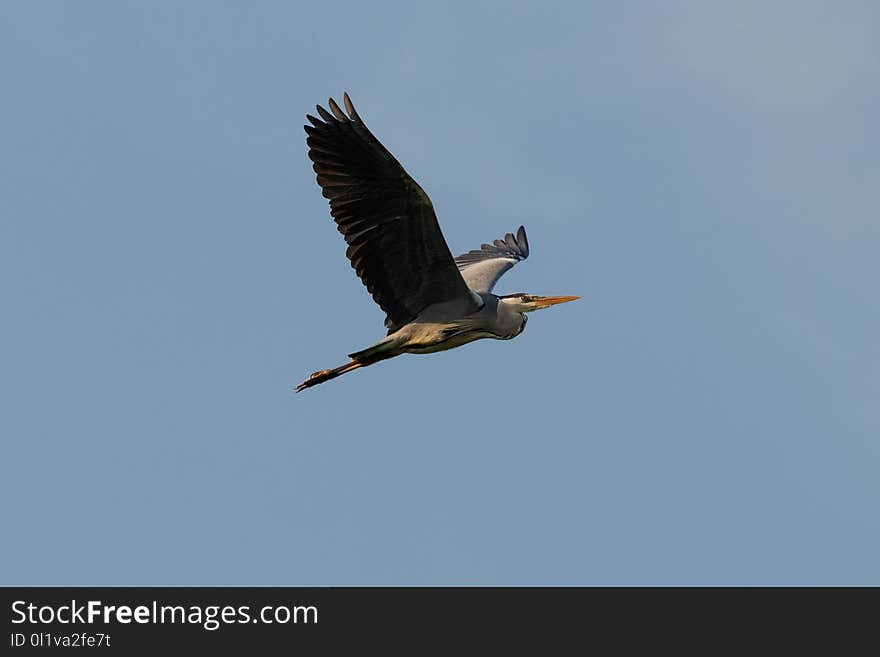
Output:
x,y
432,301
432,330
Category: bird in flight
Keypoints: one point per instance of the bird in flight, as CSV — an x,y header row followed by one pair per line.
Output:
x,y
431,300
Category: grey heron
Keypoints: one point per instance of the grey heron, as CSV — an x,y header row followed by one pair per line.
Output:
x,y
431,300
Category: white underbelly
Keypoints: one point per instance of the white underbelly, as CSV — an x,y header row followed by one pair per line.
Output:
x,y
451,343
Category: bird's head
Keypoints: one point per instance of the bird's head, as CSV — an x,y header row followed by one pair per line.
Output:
x,y
526,303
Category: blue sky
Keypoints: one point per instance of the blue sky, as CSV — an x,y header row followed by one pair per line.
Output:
x,y
704,174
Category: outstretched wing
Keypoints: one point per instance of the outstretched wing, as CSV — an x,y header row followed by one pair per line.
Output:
x,y
394,241
481,268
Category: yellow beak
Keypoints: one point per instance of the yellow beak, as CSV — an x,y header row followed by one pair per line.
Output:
x,y
546,302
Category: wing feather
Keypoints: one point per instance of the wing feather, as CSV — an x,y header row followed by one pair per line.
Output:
x,y
481,268
394,240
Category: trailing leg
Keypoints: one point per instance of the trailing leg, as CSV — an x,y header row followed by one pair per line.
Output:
x,y
381,351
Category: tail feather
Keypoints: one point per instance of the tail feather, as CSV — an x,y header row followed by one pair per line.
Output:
x,y
378,351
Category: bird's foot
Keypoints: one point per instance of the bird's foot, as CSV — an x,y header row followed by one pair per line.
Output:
x,y
308,383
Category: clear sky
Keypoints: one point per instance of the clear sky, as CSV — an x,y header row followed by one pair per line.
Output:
x,y
704,174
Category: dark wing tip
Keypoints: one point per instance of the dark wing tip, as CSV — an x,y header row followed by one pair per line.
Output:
x,y
325,115
335,115
513,247
523,240
349,107
337,112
